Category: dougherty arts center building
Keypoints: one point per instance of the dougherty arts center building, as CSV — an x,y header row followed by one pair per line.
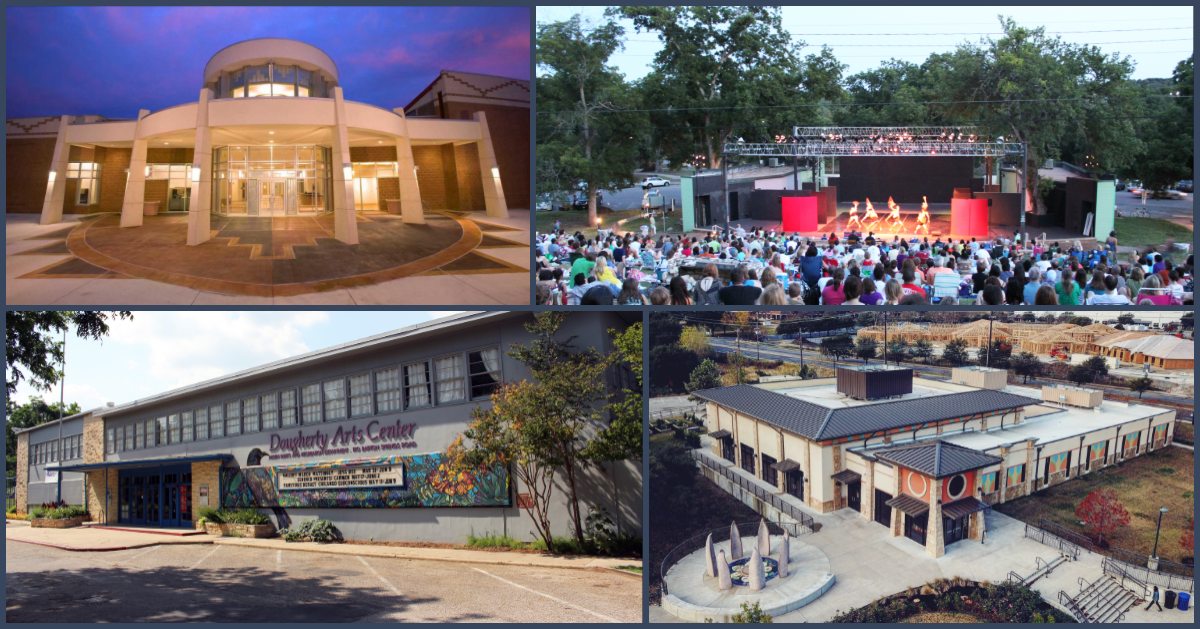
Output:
x,y
355,434
271,135
922,457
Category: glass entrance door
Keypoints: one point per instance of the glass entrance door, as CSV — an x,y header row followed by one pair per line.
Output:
x,y
158,496
274,197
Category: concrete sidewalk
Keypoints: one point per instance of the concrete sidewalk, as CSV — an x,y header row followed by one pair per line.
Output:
x,y
87,539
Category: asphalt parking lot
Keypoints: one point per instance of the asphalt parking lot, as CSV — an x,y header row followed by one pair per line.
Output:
x,y
206,583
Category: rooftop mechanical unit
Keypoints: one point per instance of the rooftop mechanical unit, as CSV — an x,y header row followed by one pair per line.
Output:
x,y
873,382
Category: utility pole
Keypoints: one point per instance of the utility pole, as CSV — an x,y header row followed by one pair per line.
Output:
x,y
885,343
989,347
725,183
62,385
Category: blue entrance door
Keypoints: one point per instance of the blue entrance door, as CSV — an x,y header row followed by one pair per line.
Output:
x,y
156,496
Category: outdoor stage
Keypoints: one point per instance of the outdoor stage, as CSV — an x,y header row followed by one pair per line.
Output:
x,y
939,222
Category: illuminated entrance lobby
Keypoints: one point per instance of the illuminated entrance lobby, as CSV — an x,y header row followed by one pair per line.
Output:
x,y
272,184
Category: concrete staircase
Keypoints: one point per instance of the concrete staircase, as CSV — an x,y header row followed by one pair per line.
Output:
x,y
1103,601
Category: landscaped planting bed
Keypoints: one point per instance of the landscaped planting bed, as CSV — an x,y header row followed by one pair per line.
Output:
x,y
958,600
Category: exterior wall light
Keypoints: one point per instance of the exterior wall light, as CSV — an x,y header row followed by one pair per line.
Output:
x,y
348,171
195,173
495,172
147,172
53,175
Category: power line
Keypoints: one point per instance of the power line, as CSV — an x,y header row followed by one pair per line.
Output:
x,y
1099,43
1123,30
810,105
894,24
785,127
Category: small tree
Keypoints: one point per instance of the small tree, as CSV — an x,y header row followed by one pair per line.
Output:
x,y
694,338
1081,375
1000,355
1098,366
1026,365
751,614
1188,539
922,349
837,347
1102,512
956,352
737,367
897,350
706,376
865,348
1141,385
1125,318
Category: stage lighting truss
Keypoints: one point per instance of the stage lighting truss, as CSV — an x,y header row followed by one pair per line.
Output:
x,y
878,141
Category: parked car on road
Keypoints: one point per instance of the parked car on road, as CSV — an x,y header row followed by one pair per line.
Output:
x,y
1158,194
1185,186
652,182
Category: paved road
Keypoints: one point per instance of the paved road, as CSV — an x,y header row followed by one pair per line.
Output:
x,y
1178,210
811,357
231,584
631,198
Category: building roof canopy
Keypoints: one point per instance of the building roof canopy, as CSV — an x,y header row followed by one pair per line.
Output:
x,y
937,459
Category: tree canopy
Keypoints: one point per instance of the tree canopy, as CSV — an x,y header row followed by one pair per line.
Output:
x,y
31,344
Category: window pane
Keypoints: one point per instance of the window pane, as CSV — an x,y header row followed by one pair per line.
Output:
x,y
173,423
216,421
161,433
485,371
335,400
148,433
311,399
233,418
360,395
416,385
287,404
270,414
136,431
110,440
250,414
201,424
450,383
186,420
387,390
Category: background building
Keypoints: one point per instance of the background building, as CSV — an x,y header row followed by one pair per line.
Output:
x,y
378,414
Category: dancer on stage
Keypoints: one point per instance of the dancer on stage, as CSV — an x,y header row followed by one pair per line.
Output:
x,y
923,217
853,216
870,216
894,216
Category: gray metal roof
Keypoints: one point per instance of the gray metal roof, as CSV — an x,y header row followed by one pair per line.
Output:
x,y
938,459
55,422
368,343
820,422
963,507
847,476
907,504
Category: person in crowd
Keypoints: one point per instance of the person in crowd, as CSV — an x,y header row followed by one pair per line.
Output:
x,y
832,294
1109,296
796,294
993,295
773,295
659,296
542,295
737,293
679,292
1045,296
1031,286
872,294
706,291
1068,293
893,292
1014,293
852,289
630,295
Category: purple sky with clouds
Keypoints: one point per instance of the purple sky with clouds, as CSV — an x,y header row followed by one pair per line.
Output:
x,y
114,61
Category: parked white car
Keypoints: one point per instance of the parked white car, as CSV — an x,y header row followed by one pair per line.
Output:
x,y
652,182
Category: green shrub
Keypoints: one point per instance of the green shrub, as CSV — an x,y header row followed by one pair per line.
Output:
x,y
36,513
319,531
211,515
245,516
64,513
494,540
751,614
11,509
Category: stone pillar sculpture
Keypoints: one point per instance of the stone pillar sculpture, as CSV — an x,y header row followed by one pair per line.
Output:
x,y
758,579
764,539
735,543
710,560
784,551
724,580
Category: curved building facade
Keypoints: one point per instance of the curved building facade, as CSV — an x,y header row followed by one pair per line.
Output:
x,y
270,135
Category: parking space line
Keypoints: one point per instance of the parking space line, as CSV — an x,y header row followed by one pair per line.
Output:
x,y
379,576
152,548
214,551
559,600
279,562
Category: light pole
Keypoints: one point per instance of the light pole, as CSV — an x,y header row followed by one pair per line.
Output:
x,y
62,385
1154,556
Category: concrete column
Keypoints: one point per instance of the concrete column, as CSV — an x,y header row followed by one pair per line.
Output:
x,y
935,541
1002,475
135,189
868,498
56,179
897,516
489,171
411,210
1030,473
345,223
200,210
758,462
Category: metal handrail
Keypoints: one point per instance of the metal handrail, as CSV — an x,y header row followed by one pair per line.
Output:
x,y
1037,564
1054,541
802,518
1103,600
1066,601
1115,568
1013,576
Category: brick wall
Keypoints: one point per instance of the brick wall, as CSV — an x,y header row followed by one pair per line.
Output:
x,y
113,163
470,187
205,473
430,175
26,173
380,153
509,127
169,156
156,190
96,486
450,177
21,497
389,188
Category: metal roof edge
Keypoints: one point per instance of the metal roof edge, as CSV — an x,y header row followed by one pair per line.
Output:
x,y
411,331
20,431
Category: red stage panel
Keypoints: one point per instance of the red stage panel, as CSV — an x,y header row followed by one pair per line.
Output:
x,y
969,217
800,214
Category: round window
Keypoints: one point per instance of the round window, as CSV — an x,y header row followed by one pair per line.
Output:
x,y
917,484
956,486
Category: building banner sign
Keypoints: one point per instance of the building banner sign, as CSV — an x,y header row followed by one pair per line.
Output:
x,y
392,482
988,483
1058,463
1131,441
352,439
340,478
1160,432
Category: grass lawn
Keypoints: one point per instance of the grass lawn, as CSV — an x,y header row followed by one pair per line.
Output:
x,y
1185,433
574,221
635,569
939,617
1143,232
674,224
1164,478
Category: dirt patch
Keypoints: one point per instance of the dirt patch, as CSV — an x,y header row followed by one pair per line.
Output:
x,y
940,617
1163,478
